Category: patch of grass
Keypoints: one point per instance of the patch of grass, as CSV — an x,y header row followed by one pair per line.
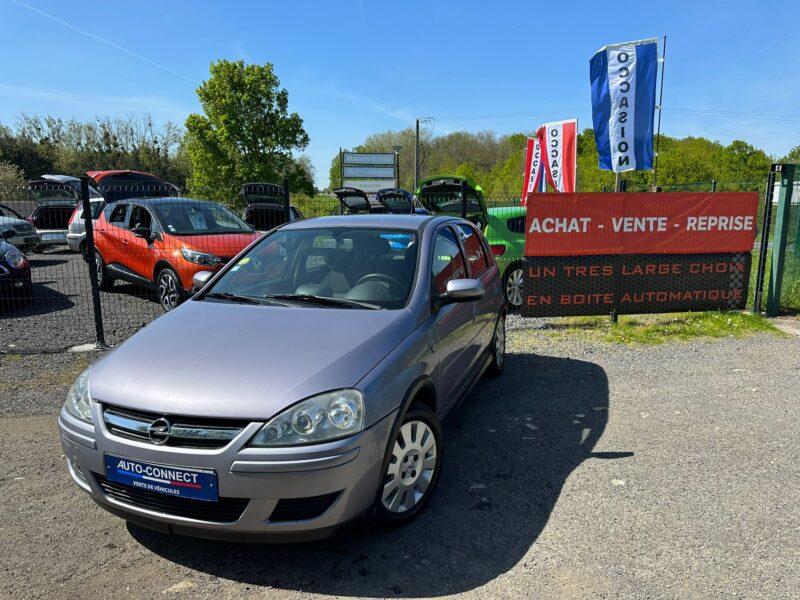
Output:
x,y
657,329
318,206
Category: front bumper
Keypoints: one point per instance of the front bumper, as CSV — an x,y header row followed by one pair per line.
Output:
x,y
349,468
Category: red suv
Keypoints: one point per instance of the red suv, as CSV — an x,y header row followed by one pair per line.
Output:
x,y
161,243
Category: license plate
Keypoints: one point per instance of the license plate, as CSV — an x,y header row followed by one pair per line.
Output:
x,y
53,237
179,482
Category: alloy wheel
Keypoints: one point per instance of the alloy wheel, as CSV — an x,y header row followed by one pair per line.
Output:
x,y
167,290
411,467
514,288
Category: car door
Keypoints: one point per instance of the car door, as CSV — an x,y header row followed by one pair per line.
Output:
x,y
455,325
114,234
141,258
480,264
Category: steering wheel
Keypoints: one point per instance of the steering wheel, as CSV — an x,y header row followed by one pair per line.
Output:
x,y
383,278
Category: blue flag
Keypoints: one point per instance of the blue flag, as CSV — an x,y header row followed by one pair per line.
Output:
x,y
623,80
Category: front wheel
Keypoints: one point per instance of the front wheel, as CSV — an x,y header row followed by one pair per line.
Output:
x,y
169,288
411,468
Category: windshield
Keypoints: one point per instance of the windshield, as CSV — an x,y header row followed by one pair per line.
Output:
x,y
198,218
362,265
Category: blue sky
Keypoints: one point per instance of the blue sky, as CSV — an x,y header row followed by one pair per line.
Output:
x,y
355,67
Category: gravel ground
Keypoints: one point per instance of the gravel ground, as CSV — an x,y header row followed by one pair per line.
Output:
x,y
61,314
587,470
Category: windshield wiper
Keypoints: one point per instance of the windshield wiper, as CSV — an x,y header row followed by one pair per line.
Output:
x,y
231,297
325,301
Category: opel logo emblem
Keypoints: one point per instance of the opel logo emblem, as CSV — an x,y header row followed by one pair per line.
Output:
x,y
159,431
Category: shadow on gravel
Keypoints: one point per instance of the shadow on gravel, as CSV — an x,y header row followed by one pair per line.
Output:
x,y
508,451
45,301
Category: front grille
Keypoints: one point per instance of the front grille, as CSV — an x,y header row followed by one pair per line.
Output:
x,y
184,432
224,510
300,509
24,227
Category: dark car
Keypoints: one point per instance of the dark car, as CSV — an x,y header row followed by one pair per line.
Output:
x,y
15,274
122,185
265,206
354,201
396,201
442,195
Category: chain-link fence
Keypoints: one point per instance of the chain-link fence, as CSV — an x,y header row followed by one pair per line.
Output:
x,y
147,247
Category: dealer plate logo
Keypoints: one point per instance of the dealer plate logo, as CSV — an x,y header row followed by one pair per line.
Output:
x,y
159,431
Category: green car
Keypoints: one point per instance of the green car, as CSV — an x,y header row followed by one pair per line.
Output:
x,y
505,233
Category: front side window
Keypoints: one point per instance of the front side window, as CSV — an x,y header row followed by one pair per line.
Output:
x,y
371,266
140,217
199,218
448,263
476,255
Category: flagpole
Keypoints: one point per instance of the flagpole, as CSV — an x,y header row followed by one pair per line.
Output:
x,y
660,108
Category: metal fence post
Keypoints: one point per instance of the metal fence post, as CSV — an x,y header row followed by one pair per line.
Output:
x,y
713,185
779,240
286,205
90,256
463,199
763,246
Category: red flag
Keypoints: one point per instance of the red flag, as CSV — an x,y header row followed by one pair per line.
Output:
x,y
533,168
559,141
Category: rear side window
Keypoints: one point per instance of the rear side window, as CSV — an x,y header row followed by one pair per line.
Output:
x,y
516,225
117,214
476,254
448,263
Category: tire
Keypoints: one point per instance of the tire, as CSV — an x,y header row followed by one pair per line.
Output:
x,y
169,289
411,470
104,281
512,286
498,348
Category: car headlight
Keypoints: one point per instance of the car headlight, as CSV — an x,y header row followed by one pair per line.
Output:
x,y
15,258
200,258
79,403
322,418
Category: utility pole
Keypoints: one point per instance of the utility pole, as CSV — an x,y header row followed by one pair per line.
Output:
x,y
416,159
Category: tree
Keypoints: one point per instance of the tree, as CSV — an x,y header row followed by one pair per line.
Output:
x,y
245,134
11,176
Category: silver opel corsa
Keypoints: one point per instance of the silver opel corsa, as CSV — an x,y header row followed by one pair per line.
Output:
x,y
301,388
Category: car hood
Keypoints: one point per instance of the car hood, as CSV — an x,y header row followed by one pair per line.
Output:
x,y
226,246
225,360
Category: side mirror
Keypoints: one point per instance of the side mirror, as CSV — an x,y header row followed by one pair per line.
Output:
x,y
461,290
200,279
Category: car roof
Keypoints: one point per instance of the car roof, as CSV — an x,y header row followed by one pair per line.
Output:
x,y
369,221
164,200
507,211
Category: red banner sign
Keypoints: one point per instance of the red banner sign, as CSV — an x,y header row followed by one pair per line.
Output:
x,y
640,223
